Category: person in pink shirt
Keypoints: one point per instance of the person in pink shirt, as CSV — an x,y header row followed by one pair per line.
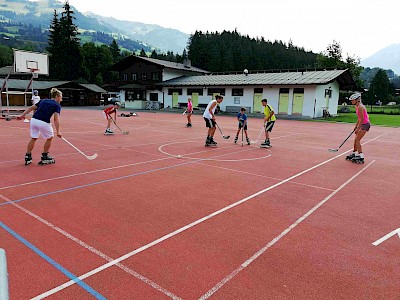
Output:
x,y
189,112
360,129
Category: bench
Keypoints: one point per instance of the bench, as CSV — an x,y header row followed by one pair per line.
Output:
x,y
236,109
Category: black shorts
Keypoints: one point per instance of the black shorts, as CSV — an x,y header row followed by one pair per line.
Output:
x,y
241,125
210,123
269,125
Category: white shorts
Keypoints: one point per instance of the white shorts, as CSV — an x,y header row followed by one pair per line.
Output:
x,y
41,128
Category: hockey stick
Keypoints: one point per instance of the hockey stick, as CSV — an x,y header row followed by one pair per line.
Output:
x,y
242,134
115,123
337,149
184,113
224,136
91,157
256,141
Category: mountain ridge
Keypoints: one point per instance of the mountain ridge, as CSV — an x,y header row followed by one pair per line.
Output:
x,y
386,58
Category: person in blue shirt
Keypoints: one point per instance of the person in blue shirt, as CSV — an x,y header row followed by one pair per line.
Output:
x,y
242,119
40,125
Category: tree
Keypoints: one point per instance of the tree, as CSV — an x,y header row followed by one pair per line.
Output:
x,y
143,53
54,48
6,56
380,87
332,58
115,51
70,44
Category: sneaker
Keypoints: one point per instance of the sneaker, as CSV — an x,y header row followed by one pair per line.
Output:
x,y
248,141
236,139
266,144
109,131
28,159
358,159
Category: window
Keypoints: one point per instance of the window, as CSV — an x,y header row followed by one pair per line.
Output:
x,y
170,91
144,76
212,91
258,90
153,97
298,91
125,76
237,92
283,91
134,76
191,91
155,76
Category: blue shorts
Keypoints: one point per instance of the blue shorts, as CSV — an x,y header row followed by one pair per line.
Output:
x,y
366,126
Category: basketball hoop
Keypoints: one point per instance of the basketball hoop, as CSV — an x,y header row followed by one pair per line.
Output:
x,y
35,73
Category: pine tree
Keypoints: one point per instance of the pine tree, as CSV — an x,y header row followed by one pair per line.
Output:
x,y
115,51
70,42
54,48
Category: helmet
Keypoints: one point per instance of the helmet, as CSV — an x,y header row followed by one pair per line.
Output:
x,y
355,96
35,92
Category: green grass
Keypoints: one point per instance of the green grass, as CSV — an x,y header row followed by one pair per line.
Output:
x,y
385,109
375,119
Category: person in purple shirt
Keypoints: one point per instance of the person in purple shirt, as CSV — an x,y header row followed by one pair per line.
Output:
x,y
40,125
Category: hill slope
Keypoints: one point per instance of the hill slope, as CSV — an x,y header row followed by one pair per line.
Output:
x,y
129,34
387,58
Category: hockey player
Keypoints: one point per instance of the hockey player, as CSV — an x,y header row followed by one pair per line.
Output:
x,y
242,119
360,129
269,121
107,114
40,125
209,118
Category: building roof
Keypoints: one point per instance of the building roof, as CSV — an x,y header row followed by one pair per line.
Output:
x,y
18,84
278,78
126,62
93,87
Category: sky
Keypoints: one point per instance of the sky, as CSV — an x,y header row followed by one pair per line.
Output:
x,y
362,28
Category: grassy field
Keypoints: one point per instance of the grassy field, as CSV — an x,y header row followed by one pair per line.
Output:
x,y
386,109
375,119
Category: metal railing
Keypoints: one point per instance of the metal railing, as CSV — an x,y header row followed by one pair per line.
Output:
x,y
3,276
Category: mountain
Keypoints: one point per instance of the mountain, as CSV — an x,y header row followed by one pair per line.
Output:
x,y
165,38
387,58
132,36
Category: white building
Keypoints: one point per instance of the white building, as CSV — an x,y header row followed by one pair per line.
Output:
x,y
153,83
302,93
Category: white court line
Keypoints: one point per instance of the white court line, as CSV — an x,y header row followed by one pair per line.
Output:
x,y
184,228
264,176
92,249
276,239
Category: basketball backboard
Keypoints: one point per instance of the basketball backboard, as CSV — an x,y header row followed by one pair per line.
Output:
x,y
31,62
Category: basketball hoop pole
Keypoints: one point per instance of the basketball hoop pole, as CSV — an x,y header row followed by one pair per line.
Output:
x,y
34,75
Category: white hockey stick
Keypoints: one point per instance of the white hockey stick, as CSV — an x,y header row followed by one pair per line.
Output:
x,y
256,141
91,157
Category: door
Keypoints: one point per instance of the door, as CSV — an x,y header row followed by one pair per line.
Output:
x,y
283,106
298,100
195,99
175,99
257,106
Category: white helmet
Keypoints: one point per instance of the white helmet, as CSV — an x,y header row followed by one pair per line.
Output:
x,y
355,96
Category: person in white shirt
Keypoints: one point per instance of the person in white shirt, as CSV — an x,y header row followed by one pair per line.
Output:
x,y
35,97
209,118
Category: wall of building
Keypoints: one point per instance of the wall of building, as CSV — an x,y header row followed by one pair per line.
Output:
x,y
314,98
